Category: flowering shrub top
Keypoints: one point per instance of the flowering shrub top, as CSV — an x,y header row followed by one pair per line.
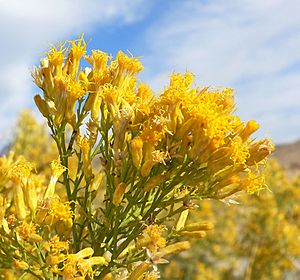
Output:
x,y
132,162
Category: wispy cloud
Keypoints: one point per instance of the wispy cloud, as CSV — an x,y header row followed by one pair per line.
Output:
x,y
252,46
28,27
249,45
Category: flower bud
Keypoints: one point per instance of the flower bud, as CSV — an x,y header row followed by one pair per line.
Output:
x,y
259,150
185,129
199,226
87,166
96,261
154,182
84,253
182,219
136,148
34,237
19,203
98,182
57,170
139,271
250,128
119,193
31,196
44,62
175,248
42,105
224,182
193,234
146,167
95,111
127,251
108,276
55,259
20,265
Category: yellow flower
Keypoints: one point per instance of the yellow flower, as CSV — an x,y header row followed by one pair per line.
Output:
x,y
98,59
55,246
53,211
78,49
5,165
75,89
57,170
129,65
85,147
20,171
56,57
254,182
20,265
80,264
152,237
19,174
28,232
240,151
57,76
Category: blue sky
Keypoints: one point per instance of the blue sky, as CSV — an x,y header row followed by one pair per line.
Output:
x,y
249,45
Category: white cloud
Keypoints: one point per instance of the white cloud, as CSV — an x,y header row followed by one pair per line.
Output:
x,y
27,28
250,45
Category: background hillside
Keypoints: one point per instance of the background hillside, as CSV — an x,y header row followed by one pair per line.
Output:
x,y
288,155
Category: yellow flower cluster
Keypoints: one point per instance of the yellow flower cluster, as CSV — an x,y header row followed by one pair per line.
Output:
x,y
53,211
182,121
130,166
79,266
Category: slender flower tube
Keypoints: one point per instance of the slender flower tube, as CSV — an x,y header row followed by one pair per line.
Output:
x,y
57,170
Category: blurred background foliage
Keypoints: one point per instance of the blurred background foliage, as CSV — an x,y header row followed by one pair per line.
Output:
x,y
32,141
